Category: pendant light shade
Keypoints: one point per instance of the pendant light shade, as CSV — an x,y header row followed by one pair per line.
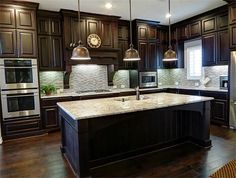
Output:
x,y
80,52
131,54
170,55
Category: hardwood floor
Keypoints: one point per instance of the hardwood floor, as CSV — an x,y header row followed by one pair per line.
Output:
x,y
41,157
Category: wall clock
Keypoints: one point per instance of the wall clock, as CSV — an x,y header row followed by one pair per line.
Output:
x,y
94,41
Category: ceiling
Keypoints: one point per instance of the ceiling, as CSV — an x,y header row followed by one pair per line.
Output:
x,y
142,9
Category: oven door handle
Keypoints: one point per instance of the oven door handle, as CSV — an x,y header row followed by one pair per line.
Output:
x,y
20,67
17,96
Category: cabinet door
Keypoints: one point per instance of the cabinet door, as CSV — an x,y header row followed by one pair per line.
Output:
x,y
222,21
232,36
223,47
182,32
123,45
44,52
26,43
43,26
180,54
25,19
209,25
152,56
152,33
50,118
142,32
195,29
7,17
74,31
8,43
209,50
123,33
107,34
219,111
93,27
232,13
143,53
55,26
56,53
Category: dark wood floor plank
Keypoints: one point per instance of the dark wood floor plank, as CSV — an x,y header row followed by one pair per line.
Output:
x,y
41,157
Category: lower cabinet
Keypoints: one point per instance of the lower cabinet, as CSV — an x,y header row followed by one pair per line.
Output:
x,y
21,127
219,106
49,113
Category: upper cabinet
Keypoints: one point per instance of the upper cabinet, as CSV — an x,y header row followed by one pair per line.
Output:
x,y
50,41
7,17
146,41
195,29
232,26
18,30
209,25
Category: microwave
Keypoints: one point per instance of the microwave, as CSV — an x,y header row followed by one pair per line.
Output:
x,y
147,79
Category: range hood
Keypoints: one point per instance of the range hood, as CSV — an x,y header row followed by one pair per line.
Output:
x,y
100,56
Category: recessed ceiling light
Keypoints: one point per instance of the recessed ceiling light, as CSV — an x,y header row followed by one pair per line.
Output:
x,y
108,5
168,15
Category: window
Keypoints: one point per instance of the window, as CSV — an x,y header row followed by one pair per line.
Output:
x,y
193,59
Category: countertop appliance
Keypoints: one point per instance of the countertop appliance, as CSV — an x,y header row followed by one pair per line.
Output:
x,y
232,101
147,79
224,82
18,73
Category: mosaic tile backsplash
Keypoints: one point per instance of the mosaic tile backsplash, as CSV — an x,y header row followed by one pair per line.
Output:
x,y
55,78
121,79
171,76
88,77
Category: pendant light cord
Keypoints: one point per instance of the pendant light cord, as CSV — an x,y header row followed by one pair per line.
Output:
x,y
130,24
169,28
79,31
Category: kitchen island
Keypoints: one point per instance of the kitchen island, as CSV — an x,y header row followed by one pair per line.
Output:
x,y
99,131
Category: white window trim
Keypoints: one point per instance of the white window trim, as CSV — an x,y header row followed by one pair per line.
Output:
x,y
187,44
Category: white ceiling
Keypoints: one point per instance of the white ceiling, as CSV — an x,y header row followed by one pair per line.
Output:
x,y
143,9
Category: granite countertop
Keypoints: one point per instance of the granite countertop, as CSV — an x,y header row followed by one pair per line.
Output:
x,y
70,93
85,109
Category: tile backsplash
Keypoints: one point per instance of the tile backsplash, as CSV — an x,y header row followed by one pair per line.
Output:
x,y
88,77
121,78
171,76
51,77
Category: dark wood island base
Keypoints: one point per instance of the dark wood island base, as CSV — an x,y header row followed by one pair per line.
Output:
x,y
88,143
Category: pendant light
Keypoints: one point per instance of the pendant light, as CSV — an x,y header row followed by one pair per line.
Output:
x,y
131,54
80,52
170,55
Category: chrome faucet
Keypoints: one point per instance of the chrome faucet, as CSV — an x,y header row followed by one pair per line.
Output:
x,y
137,93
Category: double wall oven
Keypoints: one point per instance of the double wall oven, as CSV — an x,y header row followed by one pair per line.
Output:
x,y
19,89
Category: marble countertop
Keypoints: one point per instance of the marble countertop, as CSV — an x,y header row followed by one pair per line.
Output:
x,y
85,109
70,93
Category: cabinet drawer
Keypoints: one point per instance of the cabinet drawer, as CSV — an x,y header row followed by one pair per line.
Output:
x,y
189,92
20,127
54,101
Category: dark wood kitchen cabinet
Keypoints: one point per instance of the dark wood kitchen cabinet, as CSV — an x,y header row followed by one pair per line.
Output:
x,y
146,42
18,30
232,13
8,47
219,107
7,18
209,25
223,51
49,112
26,43
232,30
182,32
25,19
18,43
209,49
50,41
195,29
